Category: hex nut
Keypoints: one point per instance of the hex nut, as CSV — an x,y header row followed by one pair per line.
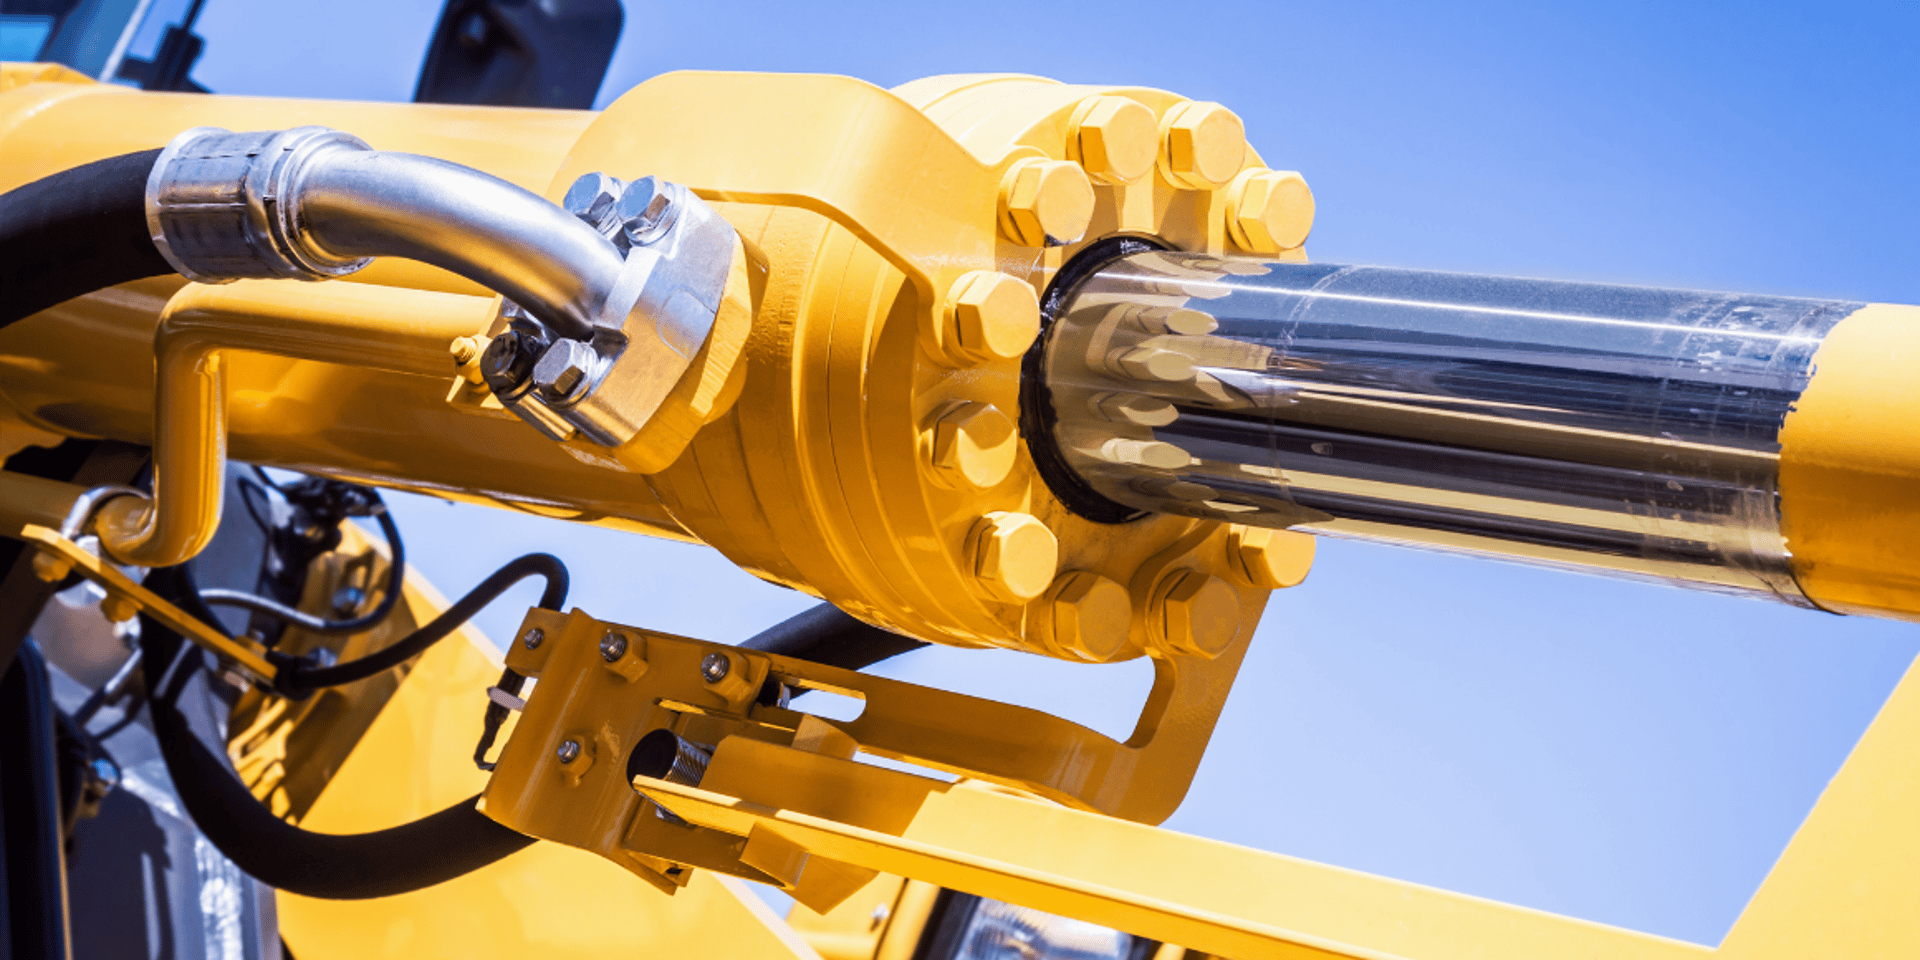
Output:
x,y
1088,616
1269,211
1267,558
1195,614
1116,138
974,445
1045,203
50,567
1202,145
990,316
1014,556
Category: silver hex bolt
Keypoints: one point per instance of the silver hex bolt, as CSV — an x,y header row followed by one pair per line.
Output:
x,y
647,209
613,646
714,667
533,638
564,371
568,752
593,198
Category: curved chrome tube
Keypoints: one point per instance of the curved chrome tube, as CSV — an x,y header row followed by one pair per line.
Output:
x,y
314,204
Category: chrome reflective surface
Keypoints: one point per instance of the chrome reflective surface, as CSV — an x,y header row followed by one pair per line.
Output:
x,y
1624,429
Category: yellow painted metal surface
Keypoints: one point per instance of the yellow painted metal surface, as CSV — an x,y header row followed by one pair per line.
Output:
x,y
1850,468
546,901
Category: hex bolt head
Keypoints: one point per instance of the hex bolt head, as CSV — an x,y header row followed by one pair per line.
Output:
x,y
613,646
1202,145
593,198
1045,203
117,608
647,209
989,316
568,751
1014,556
974,445
1269,211
51,568
1267,558
714,667
1155,364
1117,138
1195,614
1088,616
507,363
1157,454
1141,411
565,370
533,638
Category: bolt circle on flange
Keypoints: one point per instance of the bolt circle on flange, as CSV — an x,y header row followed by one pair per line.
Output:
x,y
1269,211
1116,139
1014,556
988,316
1045,203
1194,614
1202,145
974,445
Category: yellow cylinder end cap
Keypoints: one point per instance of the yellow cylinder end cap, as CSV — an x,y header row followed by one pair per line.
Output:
x,y
1045,203
1014,556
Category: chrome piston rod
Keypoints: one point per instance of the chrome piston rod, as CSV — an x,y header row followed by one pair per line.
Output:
x,y
1623,429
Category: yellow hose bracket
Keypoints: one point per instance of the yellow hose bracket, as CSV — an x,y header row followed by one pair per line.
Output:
x,y
565,773
126,597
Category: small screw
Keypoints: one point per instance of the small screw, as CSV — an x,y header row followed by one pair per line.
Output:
x,y
533,638
569,751
347,599
613,646
879,915
714,667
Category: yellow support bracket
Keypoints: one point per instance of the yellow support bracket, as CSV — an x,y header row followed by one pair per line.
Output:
x,y
132,597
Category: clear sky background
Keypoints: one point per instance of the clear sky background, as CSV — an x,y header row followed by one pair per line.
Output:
x,y
1624,753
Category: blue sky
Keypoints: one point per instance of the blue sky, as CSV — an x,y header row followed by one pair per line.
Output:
x,y
1630,754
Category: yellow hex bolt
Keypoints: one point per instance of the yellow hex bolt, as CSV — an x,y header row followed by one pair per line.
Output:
x,y
1116,138
990,316
1014,556
118,608
1269,558
1088,616
974,444
1045,203
1269,211
1195,614
50,567
1202,145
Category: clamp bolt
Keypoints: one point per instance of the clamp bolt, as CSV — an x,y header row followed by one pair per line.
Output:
x,y
562,372
1014,555
1116,138
1269,211
647,210
568,752
974,444
1045,203
593,198
1202,145
533,638
613,646
1087,616
1195,614
714,667
990,316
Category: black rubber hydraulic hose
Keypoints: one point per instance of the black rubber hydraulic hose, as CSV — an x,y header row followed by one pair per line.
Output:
x,y
827,636
75,232
428,851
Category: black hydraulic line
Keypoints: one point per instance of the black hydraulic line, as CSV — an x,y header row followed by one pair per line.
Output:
x,y
396,580
428,851
75,232
33,869
826,636
295,679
